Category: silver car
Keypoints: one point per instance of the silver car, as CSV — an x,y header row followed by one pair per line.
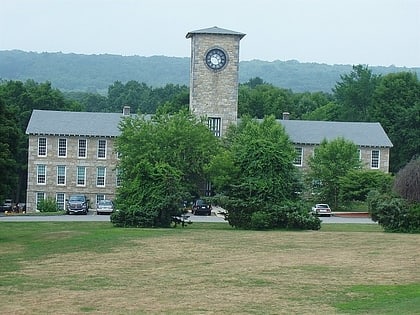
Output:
x,y
322,209
104,206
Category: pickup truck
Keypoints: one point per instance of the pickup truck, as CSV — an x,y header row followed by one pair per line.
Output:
x,y
7,205
77,204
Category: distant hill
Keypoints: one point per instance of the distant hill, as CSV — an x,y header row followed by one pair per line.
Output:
x,y
95,73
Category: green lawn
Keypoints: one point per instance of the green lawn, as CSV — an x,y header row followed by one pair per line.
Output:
x,y
74,267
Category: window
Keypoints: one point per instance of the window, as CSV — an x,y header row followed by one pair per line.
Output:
x,y
39,197
82,151
100,176
359,154
101,149
42,146
59,199
99,198
215,125
61,175
208,191
299,157
62,147
375,159
81,176
118,177
41,174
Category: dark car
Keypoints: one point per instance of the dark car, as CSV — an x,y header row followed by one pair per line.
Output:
x,y
77,204
201,207
7,205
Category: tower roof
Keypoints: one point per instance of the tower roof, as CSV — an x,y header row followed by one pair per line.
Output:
x,y
215,30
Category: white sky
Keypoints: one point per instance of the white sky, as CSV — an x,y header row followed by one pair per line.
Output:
x,y
370,32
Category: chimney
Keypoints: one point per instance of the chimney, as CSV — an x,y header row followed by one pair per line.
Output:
x,y
126,111
286,115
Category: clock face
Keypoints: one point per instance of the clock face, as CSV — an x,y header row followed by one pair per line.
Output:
x,y
216,59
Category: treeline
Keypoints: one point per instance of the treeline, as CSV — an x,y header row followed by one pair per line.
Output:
x,y
95,73
360,95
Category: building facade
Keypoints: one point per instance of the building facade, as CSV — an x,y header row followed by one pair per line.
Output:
x,y
72,153
372,141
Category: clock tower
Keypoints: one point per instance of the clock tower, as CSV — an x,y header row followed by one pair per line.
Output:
x,y
214,76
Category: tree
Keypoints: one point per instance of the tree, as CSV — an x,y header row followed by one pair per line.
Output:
x,y
262,99
255,177
331,161
307,102
396,105
356,184
354,93
10,133
17,100
141,97
162,162
399,211
326,112
407,181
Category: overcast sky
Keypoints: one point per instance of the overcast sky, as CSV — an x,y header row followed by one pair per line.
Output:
x,y
369,32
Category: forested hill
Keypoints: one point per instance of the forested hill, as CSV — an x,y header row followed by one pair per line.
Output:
x,y
95,73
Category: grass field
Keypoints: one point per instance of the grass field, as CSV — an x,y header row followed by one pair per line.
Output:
x,y
94,268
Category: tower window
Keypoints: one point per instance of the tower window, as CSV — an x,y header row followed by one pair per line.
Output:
x,y
215,124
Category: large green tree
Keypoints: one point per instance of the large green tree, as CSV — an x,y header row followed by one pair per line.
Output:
x,y
255,176
18,99
396,105
10,133
356,184
331,161
162,163
258,99
354,93
141,97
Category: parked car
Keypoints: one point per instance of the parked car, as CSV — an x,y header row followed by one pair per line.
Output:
x,y
321,209
77,204
201,207
6,206
105,206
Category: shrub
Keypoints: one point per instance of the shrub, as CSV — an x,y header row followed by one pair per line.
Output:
x,y
394,214
356,184
292,215
407,181
48,205
261,220
144,216
133,217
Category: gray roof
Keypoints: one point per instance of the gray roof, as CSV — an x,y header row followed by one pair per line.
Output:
x,y
47,122
214,30
313,132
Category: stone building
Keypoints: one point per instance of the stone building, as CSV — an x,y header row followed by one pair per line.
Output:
x,y
73,152
372,141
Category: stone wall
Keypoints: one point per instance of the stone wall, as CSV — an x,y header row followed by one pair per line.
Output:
x,y
365,155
